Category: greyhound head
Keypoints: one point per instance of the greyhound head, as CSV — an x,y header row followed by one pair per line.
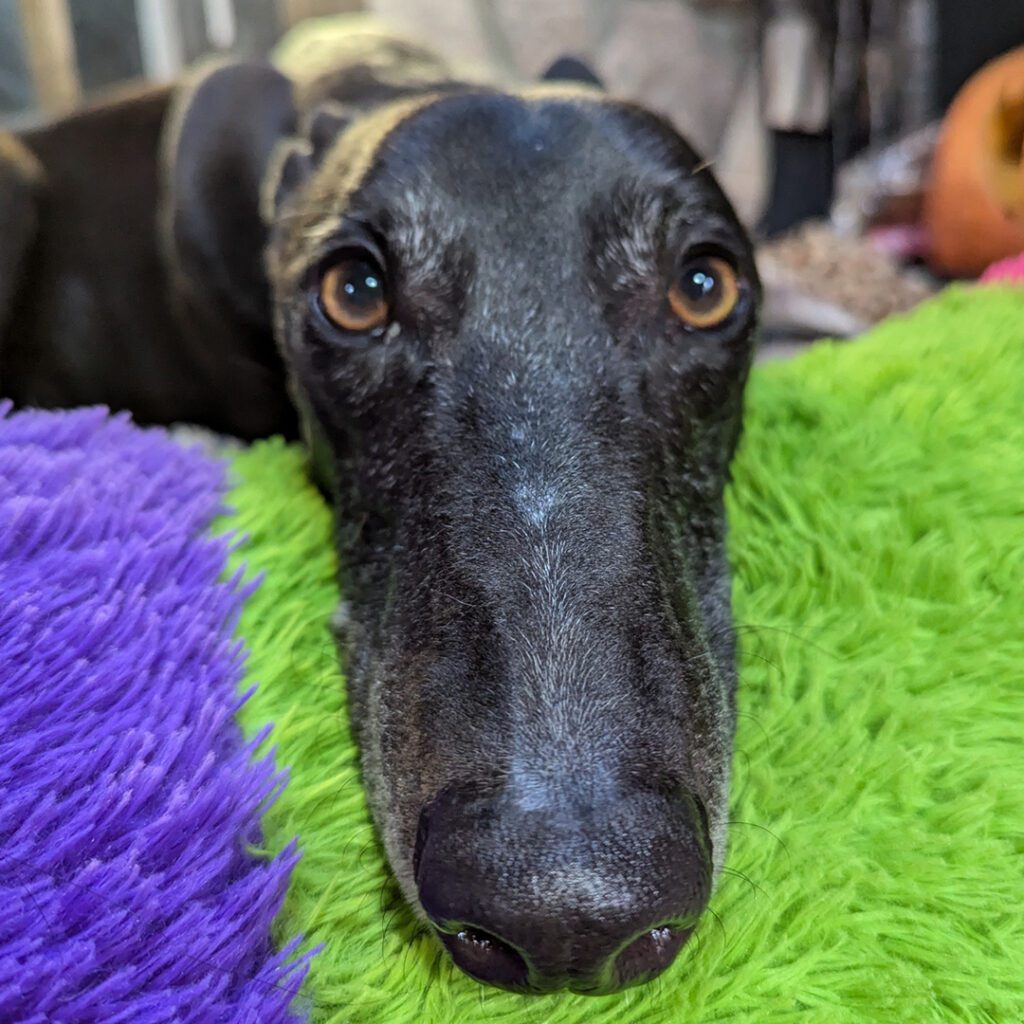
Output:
x,y
520,326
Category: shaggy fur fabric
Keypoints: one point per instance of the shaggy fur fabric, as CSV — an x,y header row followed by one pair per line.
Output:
x,y
875,869
127,795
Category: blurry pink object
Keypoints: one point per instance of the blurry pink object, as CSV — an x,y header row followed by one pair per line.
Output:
x,y
1008,271
903,242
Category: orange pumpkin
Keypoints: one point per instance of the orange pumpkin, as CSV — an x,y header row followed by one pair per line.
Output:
x,y
974,206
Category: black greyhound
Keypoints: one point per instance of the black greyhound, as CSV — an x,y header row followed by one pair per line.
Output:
x,y
517,326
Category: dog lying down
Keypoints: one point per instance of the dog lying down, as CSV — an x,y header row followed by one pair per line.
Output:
x,y
517,327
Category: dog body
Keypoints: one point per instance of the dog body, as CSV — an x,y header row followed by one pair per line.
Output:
x,y
100,310
501,319
115,289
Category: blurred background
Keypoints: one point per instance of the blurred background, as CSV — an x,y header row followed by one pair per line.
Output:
x,y
820,117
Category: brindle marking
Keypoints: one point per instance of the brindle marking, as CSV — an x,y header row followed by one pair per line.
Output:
x,y
529,464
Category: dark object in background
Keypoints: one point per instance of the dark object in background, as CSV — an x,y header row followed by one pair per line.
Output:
x,y
572,69
969,35
802,182
895,65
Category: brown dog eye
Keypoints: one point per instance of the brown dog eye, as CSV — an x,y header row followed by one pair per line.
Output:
x,y
705,292
352,295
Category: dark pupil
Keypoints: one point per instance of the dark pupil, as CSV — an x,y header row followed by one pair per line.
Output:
x,y
363,286
700,286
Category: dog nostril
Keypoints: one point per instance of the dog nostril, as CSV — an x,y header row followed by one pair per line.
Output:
x,y
486,958
650,954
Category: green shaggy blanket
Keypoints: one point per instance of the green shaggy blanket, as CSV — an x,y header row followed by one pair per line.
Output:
x,y
876,865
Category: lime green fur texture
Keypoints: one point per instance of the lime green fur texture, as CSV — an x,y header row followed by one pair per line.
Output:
x,y
876,861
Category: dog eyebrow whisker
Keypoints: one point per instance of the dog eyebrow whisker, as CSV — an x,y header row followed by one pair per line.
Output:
x,y
755,628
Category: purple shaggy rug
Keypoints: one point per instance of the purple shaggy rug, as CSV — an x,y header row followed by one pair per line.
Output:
x,y
127,795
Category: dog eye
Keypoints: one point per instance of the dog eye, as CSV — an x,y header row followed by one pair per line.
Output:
x,y
352,295
705,292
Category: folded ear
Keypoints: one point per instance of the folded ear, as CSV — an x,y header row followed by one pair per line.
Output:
x,y
293,162
571,69
223,129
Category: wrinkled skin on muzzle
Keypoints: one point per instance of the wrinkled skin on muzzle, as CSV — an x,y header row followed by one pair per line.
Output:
x,y
529,463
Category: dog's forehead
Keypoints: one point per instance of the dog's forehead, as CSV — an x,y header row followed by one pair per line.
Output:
x,y
538,159
529,145
521,154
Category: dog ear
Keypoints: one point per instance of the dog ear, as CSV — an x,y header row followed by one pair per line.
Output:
x,y
571,69
324,124
293,162
223,129
290,165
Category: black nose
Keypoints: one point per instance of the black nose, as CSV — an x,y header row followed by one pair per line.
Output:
x,y
589,899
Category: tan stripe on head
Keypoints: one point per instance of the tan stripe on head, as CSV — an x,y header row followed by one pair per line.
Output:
x,y
346,165
341,174
540,91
